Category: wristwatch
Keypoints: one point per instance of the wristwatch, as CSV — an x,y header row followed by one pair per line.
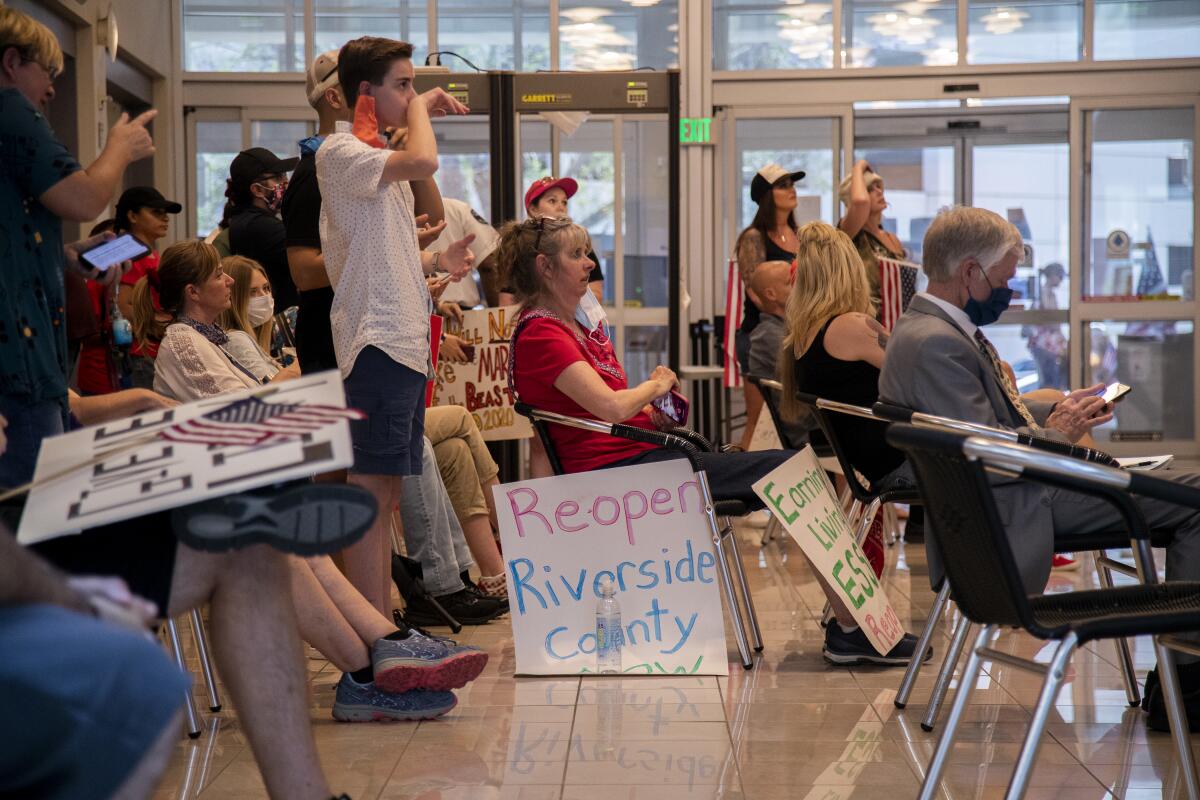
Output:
x,y
436,257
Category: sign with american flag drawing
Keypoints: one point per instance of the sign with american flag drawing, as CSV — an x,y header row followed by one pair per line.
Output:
x,y
208,448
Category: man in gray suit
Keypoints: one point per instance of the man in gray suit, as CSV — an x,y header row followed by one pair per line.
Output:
x,y
939,362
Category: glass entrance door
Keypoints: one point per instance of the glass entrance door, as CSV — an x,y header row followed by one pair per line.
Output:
x,y
1016,165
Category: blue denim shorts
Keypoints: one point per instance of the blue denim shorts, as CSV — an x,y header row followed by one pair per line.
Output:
x,y
83,701
392,437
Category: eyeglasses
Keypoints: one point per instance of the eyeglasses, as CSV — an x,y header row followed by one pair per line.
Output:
x,y
540,224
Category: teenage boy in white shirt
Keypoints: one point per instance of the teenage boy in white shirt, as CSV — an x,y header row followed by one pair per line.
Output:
x,y
381,306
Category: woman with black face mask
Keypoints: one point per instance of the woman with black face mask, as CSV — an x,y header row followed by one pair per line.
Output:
x,y
257,181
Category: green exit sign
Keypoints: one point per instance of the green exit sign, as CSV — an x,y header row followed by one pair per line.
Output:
x,y
696,130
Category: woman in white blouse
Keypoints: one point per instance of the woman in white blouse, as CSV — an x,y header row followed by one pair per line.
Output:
x,y
249,320
192,361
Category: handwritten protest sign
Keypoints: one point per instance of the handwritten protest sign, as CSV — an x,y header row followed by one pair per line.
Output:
x,y
481,385
161,474
641,527
799,495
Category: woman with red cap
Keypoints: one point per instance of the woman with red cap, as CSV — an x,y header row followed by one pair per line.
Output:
x,y
547,197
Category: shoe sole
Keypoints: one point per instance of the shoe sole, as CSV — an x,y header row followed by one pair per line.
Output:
x,y
399,675
373,714
842,660
307,520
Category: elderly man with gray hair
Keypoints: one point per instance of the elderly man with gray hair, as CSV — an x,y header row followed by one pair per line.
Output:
x,y
940,362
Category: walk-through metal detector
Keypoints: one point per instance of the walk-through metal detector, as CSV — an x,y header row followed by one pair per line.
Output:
x,y
628,146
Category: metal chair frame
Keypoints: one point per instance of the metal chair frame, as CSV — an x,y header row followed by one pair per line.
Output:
x,y
981,455
733,580
1105,565
206,668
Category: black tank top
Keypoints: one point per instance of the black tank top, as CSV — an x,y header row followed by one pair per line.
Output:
x,y
856,383
773,253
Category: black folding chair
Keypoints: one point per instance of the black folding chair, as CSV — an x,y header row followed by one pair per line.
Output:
x,y
952,476
690,444
1098,544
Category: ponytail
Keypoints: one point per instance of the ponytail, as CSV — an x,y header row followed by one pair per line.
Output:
x,y
147,328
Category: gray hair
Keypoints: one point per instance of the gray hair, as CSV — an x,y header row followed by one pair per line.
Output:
x,y
959,233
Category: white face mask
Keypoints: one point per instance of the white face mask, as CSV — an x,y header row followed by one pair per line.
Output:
x,y
590,314
261,309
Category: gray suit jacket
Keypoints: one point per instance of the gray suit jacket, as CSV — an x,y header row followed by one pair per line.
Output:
x,y
933,366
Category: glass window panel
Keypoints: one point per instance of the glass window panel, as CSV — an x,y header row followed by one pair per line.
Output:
x,y
1021,31
535,155
645,348
338,21
756,35
1141,196
496,34
646,211
281,137
615,34
1028,184
216,145
1156,358
221,36
587,156
918,182
885,33
464,162
796,144
1037,353
1128,29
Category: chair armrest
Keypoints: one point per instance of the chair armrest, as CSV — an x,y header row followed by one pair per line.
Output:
x,y
1066,449
892,412
699,440
670,441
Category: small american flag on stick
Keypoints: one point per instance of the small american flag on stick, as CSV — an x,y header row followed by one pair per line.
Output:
x,y
251,422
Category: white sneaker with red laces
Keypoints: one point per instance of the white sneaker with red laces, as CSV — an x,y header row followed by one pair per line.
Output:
x,y
1061,563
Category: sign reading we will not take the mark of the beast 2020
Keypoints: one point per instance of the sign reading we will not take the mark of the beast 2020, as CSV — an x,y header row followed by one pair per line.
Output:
x,y
481,384
643,528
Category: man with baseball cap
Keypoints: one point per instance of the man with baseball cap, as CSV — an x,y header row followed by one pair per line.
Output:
x,y
257,181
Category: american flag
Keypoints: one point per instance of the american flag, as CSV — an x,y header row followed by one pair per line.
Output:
x,y
897,285
734,307
251,422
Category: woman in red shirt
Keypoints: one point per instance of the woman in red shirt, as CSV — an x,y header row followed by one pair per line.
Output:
x,y
143,211
557,364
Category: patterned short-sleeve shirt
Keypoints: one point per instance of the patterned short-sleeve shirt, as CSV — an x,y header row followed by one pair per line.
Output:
x,y
33,336
369,241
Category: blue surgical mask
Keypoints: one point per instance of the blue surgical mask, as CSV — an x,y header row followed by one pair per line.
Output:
x,y
987,311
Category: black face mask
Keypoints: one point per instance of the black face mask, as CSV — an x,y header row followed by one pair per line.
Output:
x,y
987,311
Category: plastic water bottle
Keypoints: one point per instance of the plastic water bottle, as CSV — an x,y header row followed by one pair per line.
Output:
x,y
609,633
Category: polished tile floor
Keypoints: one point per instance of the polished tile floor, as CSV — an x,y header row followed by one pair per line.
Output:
x,y
794,727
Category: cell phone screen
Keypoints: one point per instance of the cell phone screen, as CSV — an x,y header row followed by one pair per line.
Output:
x,y
123,248
1115,391
673,405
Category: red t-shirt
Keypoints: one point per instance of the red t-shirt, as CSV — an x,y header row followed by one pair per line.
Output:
x,y
545,348
136,272
95,376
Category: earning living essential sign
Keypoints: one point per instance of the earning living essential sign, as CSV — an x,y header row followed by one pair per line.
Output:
x,y
798,493
642,527
144,474
481,385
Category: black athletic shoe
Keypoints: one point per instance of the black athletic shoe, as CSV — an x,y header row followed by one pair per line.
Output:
x,y
474,589
307,519
463,605
1155,705
848,649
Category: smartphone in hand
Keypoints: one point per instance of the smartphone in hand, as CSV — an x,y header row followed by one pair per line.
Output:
x,y
674,406
125,247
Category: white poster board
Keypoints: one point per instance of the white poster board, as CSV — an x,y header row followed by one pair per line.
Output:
x,y
798,493
159,474
481,385
644,528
